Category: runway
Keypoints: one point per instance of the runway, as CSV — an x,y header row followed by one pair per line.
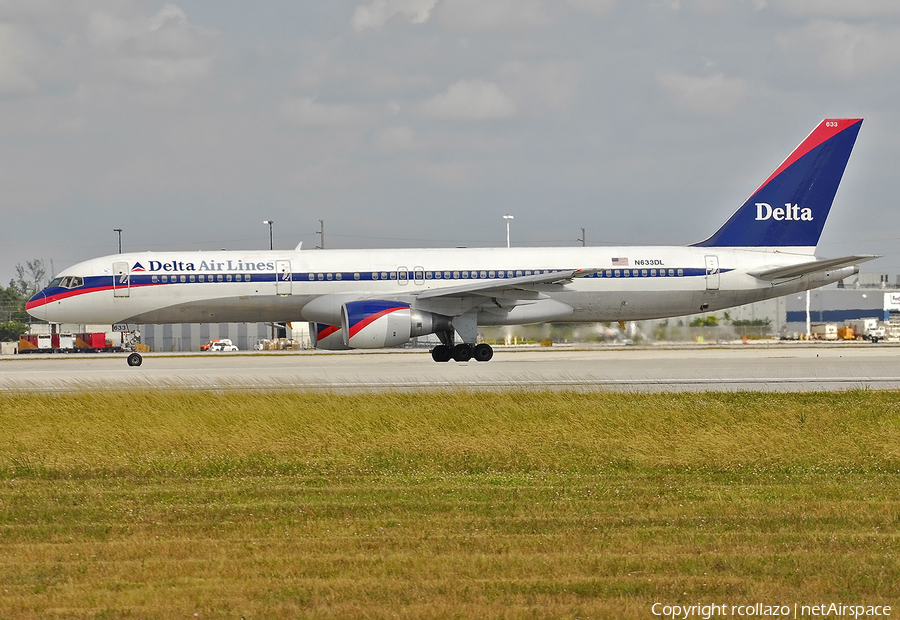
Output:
x,y
777,367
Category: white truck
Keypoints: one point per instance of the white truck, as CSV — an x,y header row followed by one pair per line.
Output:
x,y
867,329
824,331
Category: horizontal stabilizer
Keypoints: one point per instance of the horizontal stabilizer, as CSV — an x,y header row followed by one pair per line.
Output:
x,y
793,271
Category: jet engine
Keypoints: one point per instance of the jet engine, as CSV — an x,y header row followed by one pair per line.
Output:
x,y
327,337
373,324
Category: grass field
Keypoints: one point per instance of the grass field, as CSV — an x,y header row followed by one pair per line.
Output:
x,y
454,505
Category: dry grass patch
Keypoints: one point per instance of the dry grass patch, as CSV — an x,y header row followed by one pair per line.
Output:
x,y
518,504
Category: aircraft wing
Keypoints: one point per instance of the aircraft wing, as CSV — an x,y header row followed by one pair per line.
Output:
x,y
802,269
521,286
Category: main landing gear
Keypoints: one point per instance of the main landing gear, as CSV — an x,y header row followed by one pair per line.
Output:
x,y
462,352
135,359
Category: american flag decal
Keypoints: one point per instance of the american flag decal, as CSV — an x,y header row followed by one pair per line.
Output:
x,y
620,262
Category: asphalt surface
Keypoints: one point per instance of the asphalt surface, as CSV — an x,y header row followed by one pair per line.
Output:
x,y
774,367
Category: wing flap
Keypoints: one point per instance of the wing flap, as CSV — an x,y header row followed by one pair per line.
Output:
x,y
802,269
519,287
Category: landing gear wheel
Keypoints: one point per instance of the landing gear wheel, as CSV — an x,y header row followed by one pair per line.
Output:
x,y
483,352
462,352
441,353
135,359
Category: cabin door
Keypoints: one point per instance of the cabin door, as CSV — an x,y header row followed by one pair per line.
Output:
x,y
283,277
712,273
121,279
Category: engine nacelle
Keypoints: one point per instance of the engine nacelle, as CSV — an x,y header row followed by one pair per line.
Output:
x,y
327,337
376,323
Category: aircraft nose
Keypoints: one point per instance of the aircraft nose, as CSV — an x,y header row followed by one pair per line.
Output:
x,y
37,306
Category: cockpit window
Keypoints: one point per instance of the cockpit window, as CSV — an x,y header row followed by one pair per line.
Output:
x,y
54,282
68,282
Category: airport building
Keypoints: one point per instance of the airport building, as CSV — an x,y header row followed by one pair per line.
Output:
x,y
866,295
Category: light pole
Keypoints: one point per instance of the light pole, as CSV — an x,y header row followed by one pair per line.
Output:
x,y
582,238
119,230
507,217
270,222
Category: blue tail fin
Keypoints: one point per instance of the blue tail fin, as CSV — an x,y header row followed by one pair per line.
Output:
x,y
790,208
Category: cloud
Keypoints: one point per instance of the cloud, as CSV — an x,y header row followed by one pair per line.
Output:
x,y
394,139
305,112
840,8
596,7
491,15
548,85
715,94
20,56
156,50
378,12
846,50
470,100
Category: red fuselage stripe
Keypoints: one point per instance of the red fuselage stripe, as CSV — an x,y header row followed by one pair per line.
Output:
x,y
355,329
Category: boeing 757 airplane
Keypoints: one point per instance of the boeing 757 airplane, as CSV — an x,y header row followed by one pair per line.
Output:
x,y
363,299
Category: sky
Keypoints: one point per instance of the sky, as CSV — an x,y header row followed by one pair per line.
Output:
x,y
420,123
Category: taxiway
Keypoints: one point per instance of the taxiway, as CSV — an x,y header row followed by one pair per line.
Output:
x,y
775,367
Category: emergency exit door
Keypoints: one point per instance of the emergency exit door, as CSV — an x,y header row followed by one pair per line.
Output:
x,y
712,273
283,277
121,279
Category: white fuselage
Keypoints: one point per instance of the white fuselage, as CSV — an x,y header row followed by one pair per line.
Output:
x,y
623,283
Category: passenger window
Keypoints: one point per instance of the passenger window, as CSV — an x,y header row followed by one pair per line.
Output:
x,y
644,272
328,276
616,272
384,275
393,275
456,275
491,274
191,278
626,273
201,278
338,276
609,273
681,272
482,275
356,275
183,278
154,279
374,275
428,275
652,273
465,275
446,275
165,279
219,278
228,277
404,275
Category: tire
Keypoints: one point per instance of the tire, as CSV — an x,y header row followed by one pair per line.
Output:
x,y
441,353
135,359
462,352
483,352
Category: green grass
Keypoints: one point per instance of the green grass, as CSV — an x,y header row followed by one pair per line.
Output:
x,y
453,505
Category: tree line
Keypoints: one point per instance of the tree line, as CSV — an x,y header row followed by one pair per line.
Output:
x,y
30,278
